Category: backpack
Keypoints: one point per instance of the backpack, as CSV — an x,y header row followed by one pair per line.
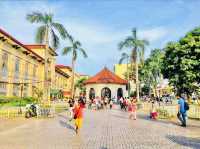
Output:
x,y
186,106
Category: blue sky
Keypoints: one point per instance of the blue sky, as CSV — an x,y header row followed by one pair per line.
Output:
x,y
101,24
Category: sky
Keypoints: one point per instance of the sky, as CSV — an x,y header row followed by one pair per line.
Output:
x,y
101,24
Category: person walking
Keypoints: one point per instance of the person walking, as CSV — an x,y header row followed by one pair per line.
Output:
x,y
182,110
132,109
71,105
78,116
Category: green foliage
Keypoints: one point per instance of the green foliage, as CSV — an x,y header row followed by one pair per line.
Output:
x,y
181,63
80,84
74,48
150,72
145,90
137,46
16,101
133,94
163,114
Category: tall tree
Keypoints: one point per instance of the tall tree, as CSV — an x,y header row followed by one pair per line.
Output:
x,y
151,70
74,48
181,63
126,57
137,52
46,35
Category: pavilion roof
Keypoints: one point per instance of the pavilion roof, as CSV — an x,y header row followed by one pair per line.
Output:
x,y
106,76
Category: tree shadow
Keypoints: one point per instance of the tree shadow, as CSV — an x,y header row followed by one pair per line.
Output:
x,y
103,147
66,125
185,141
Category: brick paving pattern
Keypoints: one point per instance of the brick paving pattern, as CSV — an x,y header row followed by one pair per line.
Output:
x,y
105,129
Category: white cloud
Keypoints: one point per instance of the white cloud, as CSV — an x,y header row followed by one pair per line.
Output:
x,y
153,34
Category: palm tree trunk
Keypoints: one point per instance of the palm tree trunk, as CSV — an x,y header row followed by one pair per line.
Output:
x,y
46,86
128,78
137,80
72,83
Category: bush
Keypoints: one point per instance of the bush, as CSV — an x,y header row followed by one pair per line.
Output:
x,y
16,101
163,114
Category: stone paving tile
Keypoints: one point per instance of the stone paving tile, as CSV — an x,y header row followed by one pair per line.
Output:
x,y
106,129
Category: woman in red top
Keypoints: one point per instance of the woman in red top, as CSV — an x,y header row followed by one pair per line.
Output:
x,y
78,116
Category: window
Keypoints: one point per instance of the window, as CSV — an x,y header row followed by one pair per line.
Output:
x,y
25,90
3,87
17,68
4,67
34,71
26,71
16,89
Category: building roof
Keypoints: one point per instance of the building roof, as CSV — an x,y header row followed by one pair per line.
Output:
x,y
35,46
61,72
105,76
64,66
19,43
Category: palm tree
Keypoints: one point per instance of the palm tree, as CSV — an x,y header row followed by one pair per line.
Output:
x,y
125,56
46,34
80,85
137,53
74,48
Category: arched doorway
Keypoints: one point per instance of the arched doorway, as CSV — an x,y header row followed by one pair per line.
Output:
x,y
105,92
119,93
92,93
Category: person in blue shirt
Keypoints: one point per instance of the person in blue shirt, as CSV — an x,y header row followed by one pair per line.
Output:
x,y
181,111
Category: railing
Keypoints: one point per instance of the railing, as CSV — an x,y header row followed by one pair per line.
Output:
x,y
48,110
172,110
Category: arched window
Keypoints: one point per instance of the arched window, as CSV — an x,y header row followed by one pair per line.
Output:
x,y
92,93
4,65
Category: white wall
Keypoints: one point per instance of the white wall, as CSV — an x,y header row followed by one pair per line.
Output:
x,y
112,87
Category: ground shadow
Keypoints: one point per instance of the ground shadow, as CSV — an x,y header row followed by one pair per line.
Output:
x,y
62,116
185,141
147,117
66,125
103,148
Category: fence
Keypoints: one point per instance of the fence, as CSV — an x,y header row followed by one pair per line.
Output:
x,y
45,110
172,110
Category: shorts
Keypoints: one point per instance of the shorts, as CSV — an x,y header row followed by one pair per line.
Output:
x,y
78,122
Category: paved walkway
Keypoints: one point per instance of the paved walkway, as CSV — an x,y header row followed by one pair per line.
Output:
x,y
106,129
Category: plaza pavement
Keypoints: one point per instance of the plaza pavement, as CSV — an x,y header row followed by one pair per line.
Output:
x,y
105,129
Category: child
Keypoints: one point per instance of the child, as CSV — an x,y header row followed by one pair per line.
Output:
x,y
153,113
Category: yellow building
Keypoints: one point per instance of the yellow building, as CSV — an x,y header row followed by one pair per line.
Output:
x,y
121,71
22,68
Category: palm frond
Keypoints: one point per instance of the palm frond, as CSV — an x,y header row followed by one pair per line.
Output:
x,y
61,29
67,50
40,34
36,17
83,52
124,56
127,43
55,40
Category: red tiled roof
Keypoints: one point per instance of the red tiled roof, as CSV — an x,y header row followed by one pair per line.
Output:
x,y
105,76
19,43
34,46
